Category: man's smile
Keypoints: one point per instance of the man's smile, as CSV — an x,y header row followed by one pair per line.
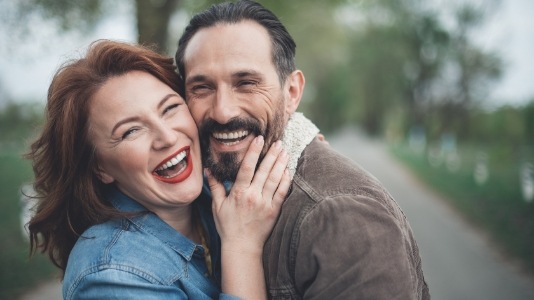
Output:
x,y
230,138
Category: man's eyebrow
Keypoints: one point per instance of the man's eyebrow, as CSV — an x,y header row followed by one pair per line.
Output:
x,y
196,78
238,74
247,73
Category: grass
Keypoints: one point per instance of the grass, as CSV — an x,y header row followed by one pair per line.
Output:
x,y
497,205
19,272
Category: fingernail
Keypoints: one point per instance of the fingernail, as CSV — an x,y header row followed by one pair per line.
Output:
x,y
284,153
259,139
278,144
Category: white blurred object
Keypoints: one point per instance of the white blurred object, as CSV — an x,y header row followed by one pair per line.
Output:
x,y
527,181
454,161
435,157
28,203
481,172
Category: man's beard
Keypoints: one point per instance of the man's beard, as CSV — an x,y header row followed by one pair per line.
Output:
x,y
225,166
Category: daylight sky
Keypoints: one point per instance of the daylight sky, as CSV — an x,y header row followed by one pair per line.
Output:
x,y
510,32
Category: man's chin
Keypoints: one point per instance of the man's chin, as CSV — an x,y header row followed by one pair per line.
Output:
x,y
225,167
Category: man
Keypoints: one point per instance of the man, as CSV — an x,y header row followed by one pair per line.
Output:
x,y
340,234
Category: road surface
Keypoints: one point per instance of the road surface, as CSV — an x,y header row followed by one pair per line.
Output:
x,y
458,261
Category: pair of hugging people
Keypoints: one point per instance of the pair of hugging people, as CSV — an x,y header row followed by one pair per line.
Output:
x,y
126,211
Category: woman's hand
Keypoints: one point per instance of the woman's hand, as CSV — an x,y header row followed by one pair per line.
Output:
x,y
247,215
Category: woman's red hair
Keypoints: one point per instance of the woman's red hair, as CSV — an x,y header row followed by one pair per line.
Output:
x,y
70,195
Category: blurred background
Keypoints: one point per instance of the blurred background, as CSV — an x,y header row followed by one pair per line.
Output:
x,y
444,88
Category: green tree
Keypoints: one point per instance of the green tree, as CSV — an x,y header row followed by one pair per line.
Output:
x,y
362,59
152,16
528,116
475,70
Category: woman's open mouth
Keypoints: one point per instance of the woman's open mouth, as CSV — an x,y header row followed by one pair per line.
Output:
x,y
175,168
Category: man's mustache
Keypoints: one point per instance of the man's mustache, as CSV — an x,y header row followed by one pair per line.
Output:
x,y
251,125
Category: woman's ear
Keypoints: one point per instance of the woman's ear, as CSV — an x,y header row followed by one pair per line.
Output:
x,y
104,176
295,88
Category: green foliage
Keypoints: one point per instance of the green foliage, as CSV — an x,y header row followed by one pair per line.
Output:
x,y
18,121
377,78
505,125
329,108
528,116
382,54
19,273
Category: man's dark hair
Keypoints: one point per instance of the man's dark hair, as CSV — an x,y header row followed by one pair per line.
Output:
x,y
283,45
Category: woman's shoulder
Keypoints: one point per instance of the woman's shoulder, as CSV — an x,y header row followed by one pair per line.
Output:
x,y
119,245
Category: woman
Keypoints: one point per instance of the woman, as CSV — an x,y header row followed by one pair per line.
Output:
x,y
122,209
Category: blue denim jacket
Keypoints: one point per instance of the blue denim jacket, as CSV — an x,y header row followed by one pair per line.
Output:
x,y
143,258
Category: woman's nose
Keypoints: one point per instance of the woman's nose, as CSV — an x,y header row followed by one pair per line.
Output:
x,y
164,136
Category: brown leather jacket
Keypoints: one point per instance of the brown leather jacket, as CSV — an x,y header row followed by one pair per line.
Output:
x,y
341,236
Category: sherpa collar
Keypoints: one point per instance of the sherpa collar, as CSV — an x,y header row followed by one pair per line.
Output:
x,y
299,132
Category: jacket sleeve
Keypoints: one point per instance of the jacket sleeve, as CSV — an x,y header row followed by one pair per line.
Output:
x,y
353,247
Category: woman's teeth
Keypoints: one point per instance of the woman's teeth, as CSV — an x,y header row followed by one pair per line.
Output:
x,y
173,161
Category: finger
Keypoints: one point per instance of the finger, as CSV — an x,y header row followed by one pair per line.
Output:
x,y
218,192
322,138
282,191
248,165
266,165
275,176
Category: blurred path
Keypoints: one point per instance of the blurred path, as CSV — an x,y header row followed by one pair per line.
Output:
x,y
458,262
46,291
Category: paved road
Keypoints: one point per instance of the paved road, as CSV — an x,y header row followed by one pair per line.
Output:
x,y
47,291
458,262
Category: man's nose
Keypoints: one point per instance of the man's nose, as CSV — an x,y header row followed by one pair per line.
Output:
x,y
225,106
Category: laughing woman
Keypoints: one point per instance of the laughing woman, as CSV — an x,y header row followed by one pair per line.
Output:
x,y
122,208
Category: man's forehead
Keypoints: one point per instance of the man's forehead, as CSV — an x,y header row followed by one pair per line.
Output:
x,y
234,39
229,48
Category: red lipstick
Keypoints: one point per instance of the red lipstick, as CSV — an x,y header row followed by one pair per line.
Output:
x,y
183,175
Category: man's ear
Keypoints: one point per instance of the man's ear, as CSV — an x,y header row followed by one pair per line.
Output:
x,y
295,88
104,176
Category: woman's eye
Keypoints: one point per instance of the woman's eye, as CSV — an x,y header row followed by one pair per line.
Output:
x,y
128,132
171,107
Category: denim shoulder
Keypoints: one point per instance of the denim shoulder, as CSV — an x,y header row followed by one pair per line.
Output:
x,y
117,244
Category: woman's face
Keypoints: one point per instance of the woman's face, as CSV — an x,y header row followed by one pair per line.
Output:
x,y
146,141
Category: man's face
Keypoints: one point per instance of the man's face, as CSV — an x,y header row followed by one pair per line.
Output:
x,y
233,92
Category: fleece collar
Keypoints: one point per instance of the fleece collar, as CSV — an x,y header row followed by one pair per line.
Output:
x,y
299,132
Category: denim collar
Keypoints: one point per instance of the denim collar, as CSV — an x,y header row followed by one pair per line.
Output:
x,y
149,222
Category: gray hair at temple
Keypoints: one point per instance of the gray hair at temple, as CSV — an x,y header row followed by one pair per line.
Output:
x,y
283,45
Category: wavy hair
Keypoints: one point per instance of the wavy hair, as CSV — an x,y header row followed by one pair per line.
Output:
x,y
70,195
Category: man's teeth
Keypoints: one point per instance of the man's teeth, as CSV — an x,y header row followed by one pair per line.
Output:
x,y
230,135
173,161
